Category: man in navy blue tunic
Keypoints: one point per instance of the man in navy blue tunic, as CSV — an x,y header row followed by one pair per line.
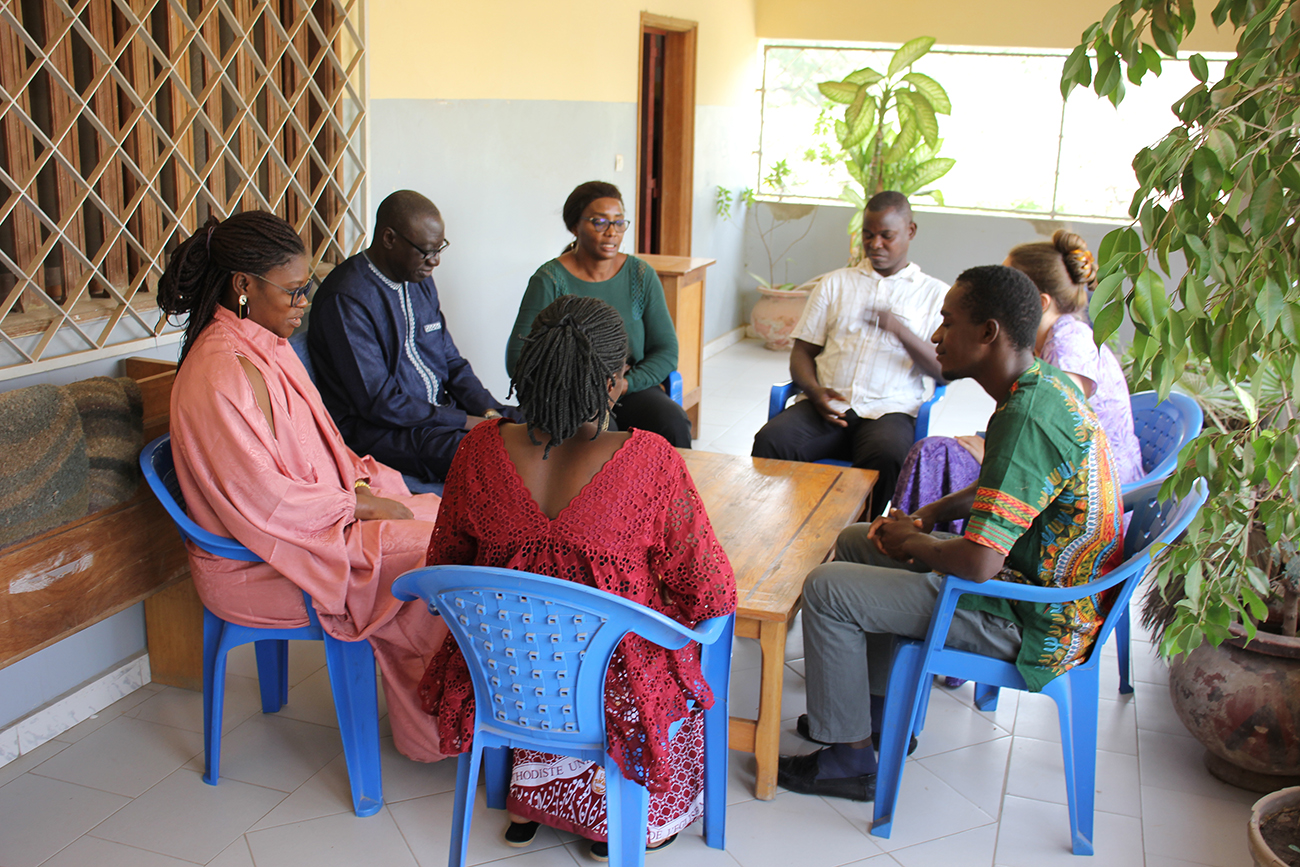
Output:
x,y
385,363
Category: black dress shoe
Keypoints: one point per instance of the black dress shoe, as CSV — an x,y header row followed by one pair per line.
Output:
x,y
799,774
801,729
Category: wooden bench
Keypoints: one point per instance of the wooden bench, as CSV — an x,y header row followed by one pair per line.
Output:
x,y
73,576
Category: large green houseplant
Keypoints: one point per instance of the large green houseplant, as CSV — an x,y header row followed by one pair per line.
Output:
x,y
1222,188
1221,191
888,137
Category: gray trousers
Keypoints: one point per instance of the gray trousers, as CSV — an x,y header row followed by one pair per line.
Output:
x,y
852,609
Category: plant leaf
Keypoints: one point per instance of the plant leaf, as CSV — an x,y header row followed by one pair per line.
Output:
x,y
866,75
932,90
838,91
1199,67
929,172
908,53
1266,206
863,126
1270,303
924,115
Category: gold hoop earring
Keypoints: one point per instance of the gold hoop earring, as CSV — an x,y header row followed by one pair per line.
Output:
x,y
243,306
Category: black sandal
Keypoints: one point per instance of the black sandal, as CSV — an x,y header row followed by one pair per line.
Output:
x,y
600,848
520,834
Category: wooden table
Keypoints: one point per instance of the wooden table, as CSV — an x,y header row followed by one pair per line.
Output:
x,y
776,520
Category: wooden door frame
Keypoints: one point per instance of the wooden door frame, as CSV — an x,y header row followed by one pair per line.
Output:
x,y
677,189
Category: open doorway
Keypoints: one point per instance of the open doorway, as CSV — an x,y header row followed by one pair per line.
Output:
x,y
665,135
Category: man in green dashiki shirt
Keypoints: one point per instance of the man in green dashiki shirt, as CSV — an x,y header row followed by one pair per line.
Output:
x,y
1046,510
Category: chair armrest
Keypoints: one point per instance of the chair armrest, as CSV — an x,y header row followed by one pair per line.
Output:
x,y
780,395
709,631
673,385
996,589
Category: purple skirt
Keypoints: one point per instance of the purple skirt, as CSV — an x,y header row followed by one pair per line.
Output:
x,y
934,468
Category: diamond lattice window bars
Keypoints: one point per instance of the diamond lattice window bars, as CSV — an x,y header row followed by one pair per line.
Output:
x,y
125,123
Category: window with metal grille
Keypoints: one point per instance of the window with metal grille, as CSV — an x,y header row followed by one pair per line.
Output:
x,y
125,123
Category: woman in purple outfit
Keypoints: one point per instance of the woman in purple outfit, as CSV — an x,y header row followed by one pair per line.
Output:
x,y
1064,270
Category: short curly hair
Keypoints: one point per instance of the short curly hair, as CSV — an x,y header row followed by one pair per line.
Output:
x,y
1007,295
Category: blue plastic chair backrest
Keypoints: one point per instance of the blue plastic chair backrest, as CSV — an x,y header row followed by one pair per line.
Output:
x,y
299,344
1163,428
1154,525
160,473
539,646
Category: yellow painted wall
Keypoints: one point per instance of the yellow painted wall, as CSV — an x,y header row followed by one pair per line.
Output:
x,y
563,49
1014,23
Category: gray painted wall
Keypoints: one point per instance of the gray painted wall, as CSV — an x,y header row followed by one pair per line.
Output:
x,y
945,244
500,170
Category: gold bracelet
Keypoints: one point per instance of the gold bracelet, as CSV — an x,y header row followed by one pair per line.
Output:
x,y
361,483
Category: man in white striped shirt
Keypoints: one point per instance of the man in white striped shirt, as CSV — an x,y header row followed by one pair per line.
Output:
x,y
860,353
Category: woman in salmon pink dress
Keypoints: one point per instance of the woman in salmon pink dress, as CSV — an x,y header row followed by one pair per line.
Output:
x,y
259,459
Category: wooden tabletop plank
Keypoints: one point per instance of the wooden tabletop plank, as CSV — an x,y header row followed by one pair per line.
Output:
x,y
776,520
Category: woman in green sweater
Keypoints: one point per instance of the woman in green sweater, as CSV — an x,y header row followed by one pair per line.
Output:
x,y
593,266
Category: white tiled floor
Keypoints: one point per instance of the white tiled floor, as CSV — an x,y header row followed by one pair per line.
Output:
x,y
123,789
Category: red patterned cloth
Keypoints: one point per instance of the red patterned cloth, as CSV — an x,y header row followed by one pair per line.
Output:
x,y
638,529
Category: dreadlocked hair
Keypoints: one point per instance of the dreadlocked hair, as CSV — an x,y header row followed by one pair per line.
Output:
x,y
200,269
576,346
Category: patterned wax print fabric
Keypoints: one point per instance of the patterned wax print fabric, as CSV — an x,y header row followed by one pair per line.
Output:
x,y
1070,347
1048,499
638,530
286,492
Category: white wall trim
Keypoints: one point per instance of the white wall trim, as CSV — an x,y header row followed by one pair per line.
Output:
x,y
56,718
729,338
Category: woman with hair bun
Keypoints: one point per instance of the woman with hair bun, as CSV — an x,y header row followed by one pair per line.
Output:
x,y
562,495
259,460
1064,271
592,265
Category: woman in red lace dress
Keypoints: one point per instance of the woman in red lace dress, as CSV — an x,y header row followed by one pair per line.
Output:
x,y
564,496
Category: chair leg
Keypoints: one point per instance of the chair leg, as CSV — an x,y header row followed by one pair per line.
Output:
x,y
1122,630
351,666
986,697
627,806
272,673
463,810
496,774
1075,694
902,709
214,694
716,724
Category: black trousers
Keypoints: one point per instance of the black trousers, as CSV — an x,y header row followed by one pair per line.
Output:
x,y
799,433
653,410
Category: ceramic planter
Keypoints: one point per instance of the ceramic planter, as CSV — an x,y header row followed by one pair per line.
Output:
x,y
1242,702
1269,805
775,316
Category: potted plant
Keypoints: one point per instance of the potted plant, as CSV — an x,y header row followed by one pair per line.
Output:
x,y
888,137
1223,190
1274,829
779,305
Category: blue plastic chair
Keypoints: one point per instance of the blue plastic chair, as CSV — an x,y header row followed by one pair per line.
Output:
x,y
783,392
916,663
1162,428
351,664
538,649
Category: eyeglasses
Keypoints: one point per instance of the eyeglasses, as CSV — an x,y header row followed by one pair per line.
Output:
x,y
427,255
296,296
600,224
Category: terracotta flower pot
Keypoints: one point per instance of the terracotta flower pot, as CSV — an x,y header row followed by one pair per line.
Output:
x,y
1242,702
775,316
1270,805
